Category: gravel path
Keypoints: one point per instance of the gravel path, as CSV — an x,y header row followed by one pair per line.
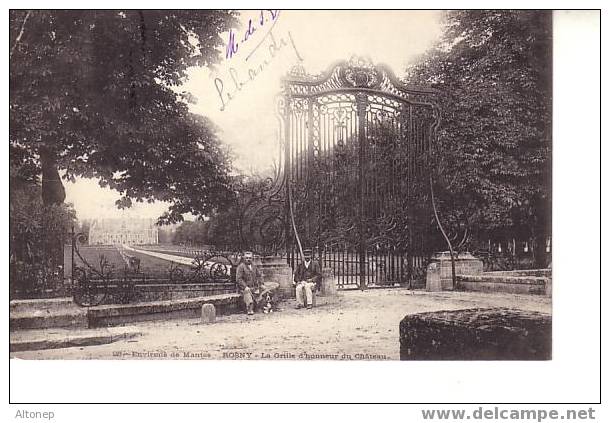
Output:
x,y
168,258
354,325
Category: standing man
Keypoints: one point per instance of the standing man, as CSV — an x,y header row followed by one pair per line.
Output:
x,y
248,280
307,278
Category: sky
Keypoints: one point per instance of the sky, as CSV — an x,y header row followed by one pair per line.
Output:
x,y
247,122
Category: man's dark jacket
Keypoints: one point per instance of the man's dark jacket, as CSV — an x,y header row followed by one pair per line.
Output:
x,y
312,272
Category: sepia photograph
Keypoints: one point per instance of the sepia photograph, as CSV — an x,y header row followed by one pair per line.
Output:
x,y
345,185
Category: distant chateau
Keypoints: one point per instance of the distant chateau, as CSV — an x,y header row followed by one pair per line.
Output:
x,y
123,231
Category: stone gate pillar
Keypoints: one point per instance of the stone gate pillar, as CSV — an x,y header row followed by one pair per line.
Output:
x,y
465,264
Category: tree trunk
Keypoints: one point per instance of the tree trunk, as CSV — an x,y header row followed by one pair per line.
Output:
x,y
53,191
543,229
540,254
447,240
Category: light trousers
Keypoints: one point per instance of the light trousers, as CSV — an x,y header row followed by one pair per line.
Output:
x,y
305,292
248,298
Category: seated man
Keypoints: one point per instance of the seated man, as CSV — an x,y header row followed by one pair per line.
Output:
x,y
248,278
307,278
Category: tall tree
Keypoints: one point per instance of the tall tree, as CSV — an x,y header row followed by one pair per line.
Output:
x,y
192,233
95,94
493,70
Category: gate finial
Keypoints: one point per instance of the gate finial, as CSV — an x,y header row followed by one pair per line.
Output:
x,y
298,71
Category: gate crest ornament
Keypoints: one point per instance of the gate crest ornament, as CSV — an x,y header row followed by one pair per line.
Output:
x,y
361,73
355,74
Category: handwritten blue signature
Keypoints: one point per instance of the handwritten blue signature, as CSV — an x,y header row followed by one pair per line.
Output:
x,y
274,46
264,17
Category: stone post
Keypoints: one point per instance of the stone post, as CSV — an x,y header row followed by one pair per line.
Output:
x,y
328,287
548,287
208,313
276,269
433,277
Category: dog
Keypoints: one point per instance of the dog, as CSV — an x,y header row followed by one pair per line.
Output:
x,y
267,303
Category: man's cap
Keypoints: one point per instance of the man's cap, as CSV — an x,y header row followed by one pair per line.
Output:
x,y
307,252
248,254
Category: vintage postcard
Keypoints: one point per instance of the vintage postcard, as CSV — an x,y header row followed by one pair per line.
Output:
x,y
280,184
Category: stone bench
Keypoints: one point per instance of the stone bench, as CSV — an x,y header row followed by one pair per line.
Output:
x,y
116,314
35,305
491,282
542,273
158,291
476,334
46,313
48,319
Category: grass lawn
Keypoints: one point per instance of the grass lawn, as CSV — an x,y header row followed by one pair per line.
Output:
x,y
157,267
151,266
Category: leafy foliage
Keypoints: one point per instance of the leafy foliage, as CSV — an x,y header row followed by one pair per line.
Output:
x,y
250,223
493,71
192,233
34,227
97,91
37,234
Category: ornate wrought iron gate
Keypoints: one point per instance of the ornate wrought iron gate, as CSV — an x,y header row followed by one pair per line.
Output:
x,y
356,144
